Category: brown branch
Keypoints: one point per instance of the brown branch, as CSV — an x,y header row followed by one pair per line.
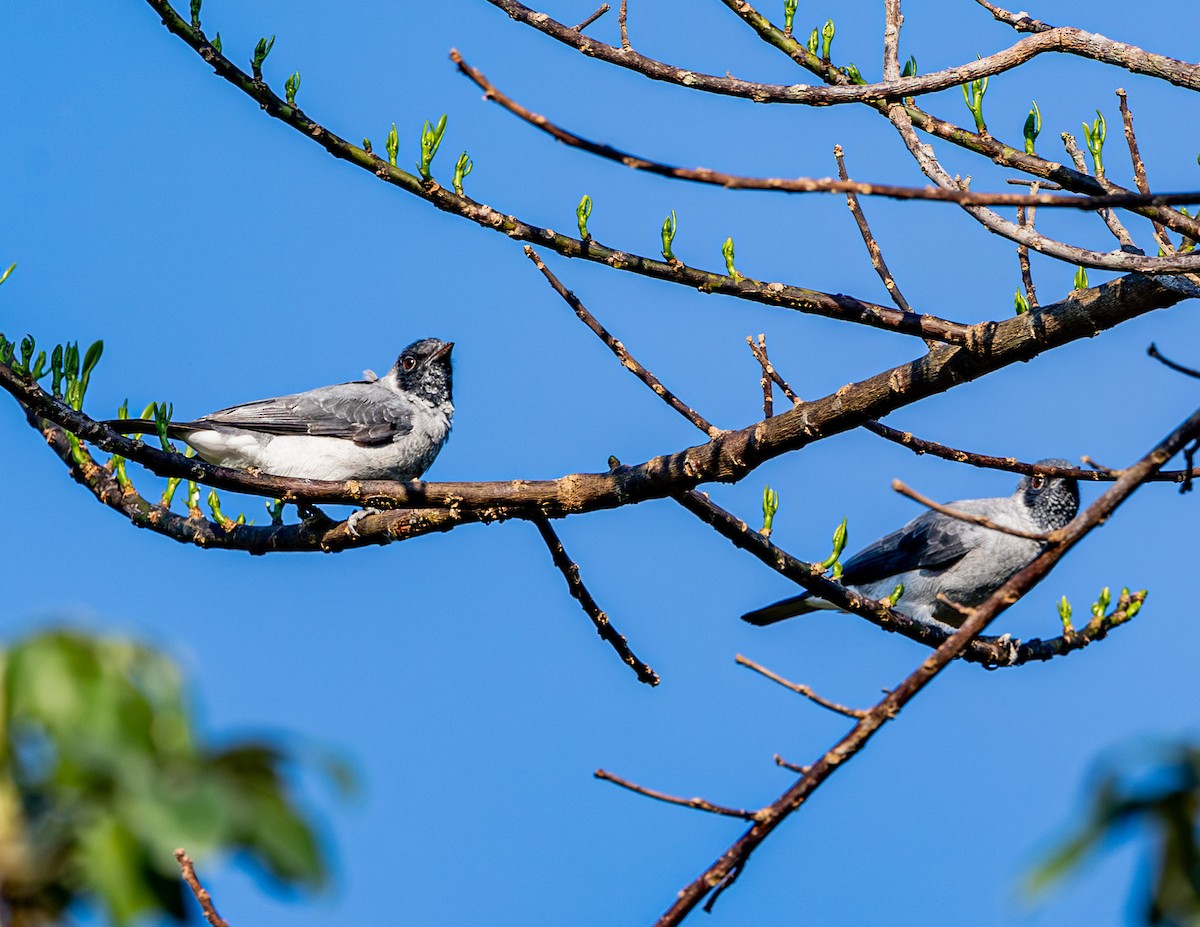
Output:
x,y
728,458
604,8
981,520
609,634
188,869
780,761
864,229
736,856
1025,219
920,446
1167,362
625,46
627,360
1139,167
800,689
699,804
760,354
1064,40
804,184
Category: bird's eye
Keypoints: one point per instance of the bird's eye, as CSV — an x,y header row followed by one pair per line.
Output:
x,y
1038,481
408,362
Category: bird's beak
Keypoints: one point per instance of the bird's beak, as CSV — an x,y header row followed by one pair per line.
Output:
x,y
443,351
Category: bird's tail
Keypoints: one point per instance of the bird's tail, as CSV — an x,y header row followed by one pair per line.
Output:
x,y
787,608
144,426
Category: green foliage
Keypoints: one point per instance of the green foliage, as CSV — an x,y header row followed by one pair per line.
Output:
x,y
582,212
261,50
290,87
1095,134
102,775
195,11
462,167
1160,791
392,145
431,139
973,95
1020,303
1033,127
894,598
1081,279
814,40
727,252
910,67
789,15
840,536
669,227
216,42
770,505
826,39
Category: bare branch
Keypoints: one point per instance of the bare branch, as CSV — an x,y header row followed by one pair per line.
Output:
x,y
864,229
780,761
1178,368
1110,219
579,592
760,353
981,520
604,8
1139,167
1025,219
920,446
625,46
801,689
188,869
698,804
627,360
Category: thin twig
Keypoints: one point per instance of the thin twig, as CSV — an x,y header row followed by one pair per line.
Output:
x,y
570,572
604,8
1036,182
188,868
625,46
921,446
894,19
873,249
1110,218
981,520
1139,168
627,360
1025,219
765,381
1167,362
698,804
801,689
780,761
760,353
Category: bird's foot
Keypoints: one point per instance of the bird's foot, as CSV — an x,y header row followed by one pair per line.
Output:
x,y
353,520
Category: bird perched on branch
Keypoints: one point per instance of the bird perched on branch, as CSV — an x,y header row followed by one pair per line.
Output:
x,y
379,428
936,553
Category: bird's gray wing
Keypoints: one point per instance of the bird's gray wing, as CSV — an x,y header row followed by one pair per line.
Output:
x,y
933,540
365,413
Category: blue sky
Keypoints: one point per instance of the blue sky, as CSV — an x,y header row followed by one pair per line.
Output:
x,y
224,258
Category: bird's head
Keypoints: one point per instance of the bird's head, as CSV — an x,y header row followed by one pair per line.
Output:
x,y
1051,501
423,369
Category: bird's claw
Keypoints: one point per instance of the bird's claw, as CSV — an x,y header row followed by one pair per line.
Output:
x,y
353,520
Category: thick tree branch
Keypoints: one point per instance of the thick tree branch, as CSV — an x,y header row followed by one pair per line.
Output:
x,y
728,458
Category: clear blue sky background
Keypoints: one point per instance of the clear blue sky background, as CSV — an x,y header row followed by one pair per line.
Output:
x,y
224,258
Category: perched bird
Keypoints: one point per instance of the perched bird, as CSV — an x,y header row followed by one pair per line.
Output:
x,y
385,428
935,553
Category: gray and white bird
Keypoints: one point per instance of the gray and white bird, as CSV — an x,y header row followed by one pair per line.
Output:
x,y
380,428
935,553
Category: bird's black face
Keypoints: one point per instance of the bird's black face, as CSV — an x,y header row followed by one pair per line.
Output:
x,y
1052,501
423,368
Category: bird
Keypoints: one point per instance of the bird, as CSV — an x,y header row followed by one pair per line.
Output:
x,y
936,553
378,428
